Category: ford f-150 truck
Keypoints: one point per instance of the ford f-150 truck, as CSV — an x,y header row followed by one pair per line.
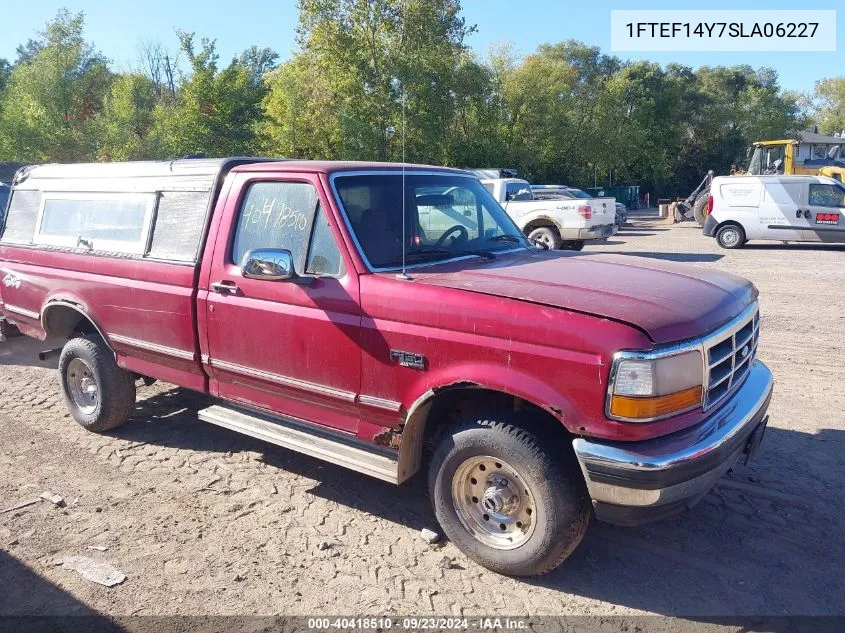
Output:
x,y
557,222
535,387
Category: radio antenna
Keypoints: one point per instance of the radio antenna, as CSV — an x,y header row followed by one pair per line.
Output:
x,y
404,274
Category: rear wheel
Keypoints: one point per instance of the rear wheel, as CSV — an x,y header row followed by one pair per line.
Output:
x,y
99,394
546,235
504,501
573,245
730,236
699,207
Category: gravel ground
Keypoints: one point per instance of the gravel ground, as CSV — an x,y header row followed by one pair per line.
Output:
x,y
204,521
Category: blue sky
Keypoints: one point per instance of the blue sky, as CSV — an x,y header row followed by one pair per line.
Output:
x,y
117,27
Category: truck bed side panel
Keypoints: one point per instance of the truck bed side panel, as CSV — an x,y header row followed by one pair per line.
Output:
x,y
145,309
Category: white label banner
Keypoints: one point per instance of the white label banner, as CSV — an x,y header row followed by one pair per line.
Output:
x,y
723,30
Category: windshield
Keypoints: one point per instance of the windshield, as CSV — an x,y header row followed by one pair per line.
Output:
x,y
755,167
767,160
446,216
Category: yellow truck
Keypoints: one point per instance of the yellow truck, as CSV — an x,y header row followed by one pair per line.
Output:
x,y
809,153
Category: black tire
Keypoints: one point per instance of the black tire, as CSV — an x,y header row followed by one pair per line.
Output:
x,y
699,207
7,330
547,235
114,400
573,245
558,499
731,236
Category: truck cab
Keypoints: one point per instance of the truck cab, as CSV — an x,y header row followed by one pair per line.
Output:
x,y
393,319
811,154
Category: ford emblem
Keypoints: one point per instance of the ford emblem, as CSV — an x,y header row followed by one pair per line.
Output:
x,y
744,351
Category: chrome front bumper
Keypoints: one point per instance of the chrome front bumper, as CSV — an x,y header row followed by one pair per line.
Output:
x,y
637,482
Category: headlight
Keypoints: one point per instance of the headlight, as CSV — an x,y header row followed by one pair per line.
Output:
x,y
644,389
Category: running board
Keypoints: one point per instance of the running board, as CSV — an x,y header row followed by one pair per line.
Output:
x,y
298,437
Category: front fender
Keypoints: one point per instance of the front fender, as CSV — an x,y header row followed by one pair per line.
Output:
x,y
478,375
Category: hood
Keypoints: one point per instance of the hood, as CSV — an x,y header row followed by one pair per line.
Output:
x,y
668,301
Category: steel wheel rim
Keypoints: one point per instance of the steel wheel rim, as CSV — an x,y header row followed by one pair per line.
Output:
x,y
82,386
493,502
730,237
545,239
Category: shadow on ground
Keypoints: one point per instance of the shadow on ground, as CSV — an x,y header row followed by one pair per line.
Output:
x,y
674,257
764,542
23,351
799,246
25,598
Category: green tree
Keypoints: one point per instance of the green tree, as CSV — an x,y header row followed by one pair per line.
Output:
x,y
127,118
358,61
830,96
5,71
259,61
53,96
216,110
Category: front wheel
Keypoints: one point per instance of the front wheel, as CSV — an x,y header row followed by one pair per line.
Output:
x,y
99,394
730,236
504,500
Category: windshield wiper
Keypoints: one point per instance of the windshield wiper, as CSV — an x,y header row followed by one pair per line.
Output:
x,y
424,254
505,238
485,254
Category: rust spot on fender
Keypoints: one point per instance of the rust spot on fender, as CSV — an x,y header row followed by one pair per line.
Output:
x,y
556,410
392,438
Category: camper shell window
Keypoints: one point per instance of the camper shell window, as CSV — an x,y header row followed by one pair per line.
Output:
x,y
108,222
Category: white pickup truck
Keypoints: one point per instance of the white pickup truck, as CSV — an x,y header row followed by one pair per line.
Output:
x,y
556,222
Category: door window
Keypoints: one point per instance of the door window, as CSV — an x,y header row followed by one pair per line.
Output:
x,y
775,157
323,255
287,215
827,195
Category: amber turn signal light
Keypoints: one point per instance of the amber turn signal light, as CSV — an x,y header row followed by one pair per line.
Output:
x,y
655,406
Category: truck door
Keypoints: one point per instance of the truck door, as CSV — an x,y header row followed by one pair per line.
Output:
x,y
291,347
827,213
782,210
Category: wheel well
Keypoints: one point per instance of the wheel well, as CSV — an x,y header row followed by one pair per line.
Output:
x,y
63,320
729,223
444,408
539,223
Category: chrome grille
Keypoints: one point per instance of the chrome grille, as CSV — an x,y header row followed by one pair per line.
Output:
x,y
729,354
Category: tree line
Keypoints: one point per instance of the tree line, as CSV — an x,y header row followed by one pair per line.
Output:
x,y
383,79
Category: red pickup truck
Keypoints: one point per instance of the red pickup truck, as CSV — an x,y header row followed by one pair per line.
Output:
x,y
389,319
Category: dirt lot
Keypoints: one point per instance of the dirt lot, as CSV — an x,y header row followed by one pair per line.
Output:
x,y
204,521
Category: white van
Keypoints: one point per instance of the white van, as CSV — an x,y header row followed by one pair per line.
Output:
x,y
784,208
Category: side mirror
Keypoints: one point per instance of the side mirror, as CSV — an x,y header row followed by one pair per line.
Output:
x,y
269,264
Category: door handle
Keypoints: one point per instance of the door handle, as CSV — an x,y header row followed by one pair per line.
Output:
x,y
225,287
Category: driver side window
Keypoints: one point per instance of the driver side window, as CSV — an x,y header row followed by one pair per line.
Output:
x,y
287,215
